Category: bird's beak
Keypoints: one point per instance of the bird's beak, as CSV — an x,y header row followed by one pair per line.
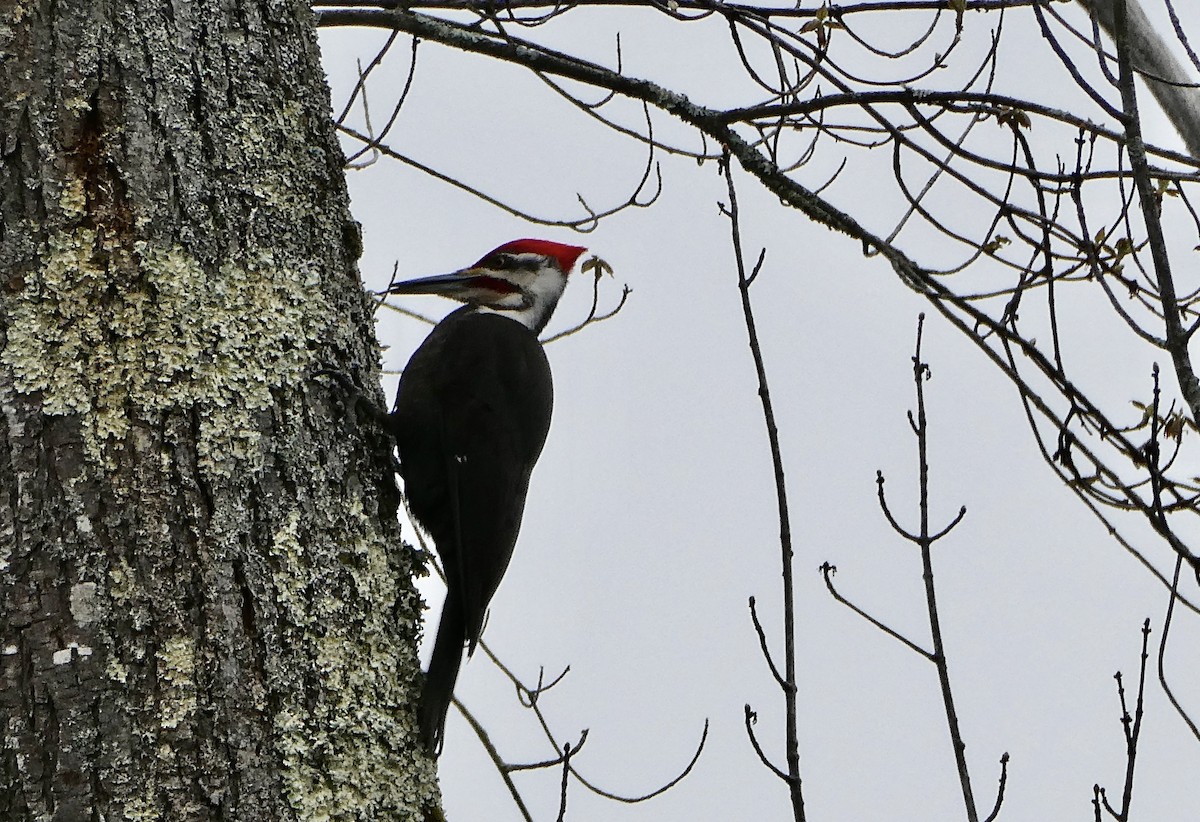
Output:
x,y
444,285
477,286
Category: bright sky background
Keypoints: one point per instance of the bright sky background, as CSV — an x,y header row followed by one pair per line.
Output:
x,y
651,516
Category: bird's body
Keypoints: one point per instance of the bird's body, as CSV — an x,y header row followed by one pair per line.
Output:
x,y
471,416
472,413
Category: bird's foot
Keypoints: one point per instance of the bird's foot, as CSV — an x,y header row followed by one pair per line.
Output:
x,y
349,384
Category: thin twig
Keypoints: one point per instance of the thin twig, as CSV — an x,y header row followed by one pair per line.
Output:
x,y
788,684
828,571
1000,790
920,374
485,739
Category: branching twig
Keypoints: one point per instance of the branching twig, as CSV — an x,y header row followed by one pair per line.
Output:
x,y
788,681
1131,725
920,374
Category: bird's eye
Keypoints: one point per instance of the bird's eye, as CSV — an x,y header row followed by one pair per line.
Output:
x,y
504,261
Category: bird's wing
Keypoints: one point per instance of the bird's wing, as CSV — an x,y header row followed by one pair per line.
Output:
x,y
496,415
485,417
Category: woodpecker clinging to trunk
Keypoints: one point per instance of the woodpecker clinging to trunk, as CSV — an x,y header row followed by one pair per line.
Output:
x,y
471,415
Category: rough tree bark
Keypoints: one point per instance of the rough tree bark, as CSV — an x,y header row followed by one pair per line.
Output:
x,y
205,608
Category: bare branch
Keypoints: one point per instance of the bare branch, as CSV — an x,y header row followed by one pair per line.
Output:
x,y
828,571
788,683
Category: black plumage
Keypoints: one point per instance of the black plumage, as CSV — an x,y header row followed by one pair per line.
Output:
x,y
471,416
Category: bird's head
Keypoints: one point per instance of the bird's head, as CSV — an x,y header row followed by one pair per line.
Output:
x,y
522,279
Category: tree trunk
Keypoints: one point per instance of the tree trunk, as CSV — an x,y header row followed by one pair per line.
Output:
x,y
206,611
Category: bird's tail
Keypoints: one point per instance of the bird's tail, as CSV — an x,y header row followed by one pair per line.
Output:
x,y
442,674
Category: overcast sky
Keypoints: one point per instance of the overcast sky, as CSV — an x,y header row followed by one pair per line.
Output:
x,y
651,517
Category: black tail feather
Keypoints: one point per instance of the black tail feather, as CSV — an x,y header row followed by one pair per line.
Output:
x,y
442,674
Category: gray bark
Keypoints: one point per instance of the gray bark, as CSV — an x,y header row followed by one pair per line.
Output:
x,y
206,611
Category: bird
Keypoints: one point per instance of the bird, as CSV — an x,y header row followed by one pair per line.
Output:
x,y
471,416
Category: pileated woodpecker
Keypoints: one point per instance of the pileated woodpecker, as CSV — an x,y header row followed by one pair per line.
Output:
x,y
471,415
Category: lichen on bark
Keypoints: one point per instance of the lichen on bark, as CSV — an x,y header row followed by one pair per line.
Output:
x,y
179,338
206,610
